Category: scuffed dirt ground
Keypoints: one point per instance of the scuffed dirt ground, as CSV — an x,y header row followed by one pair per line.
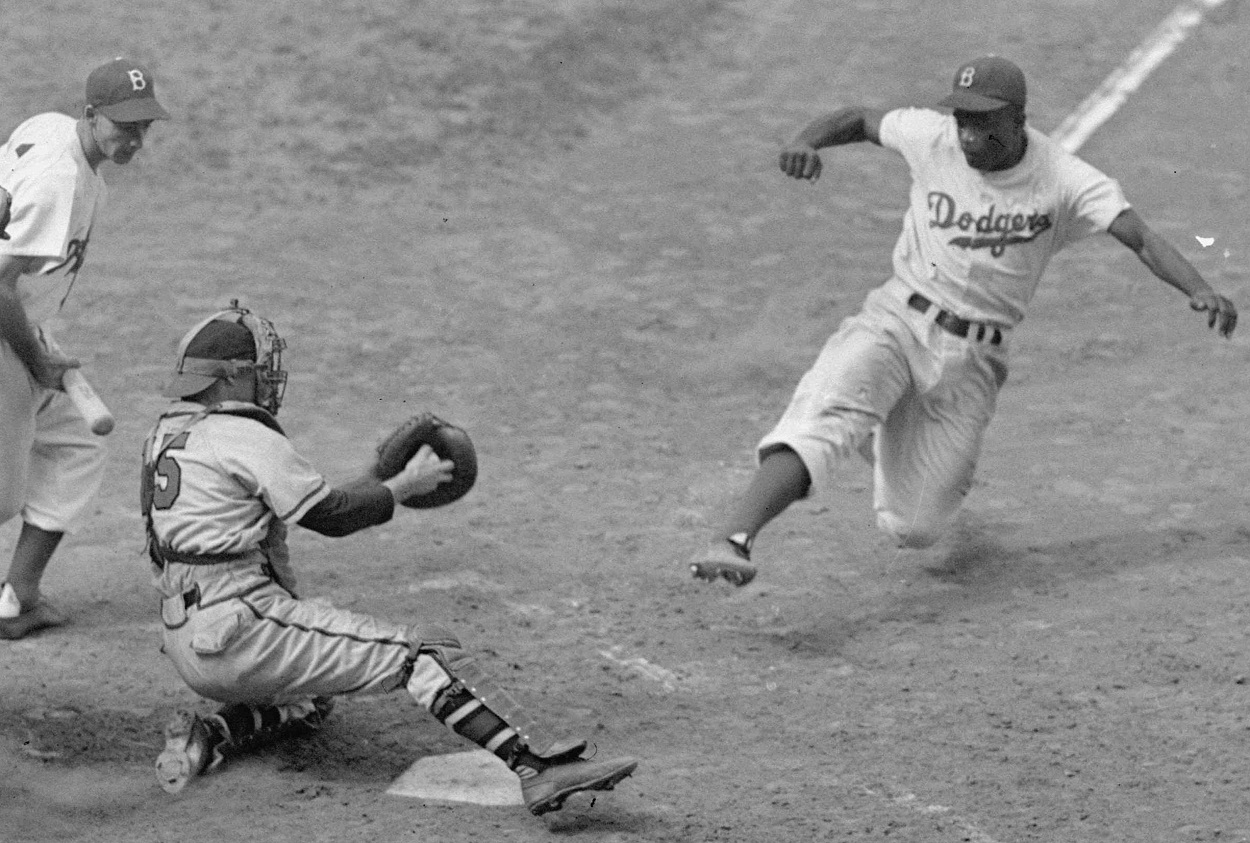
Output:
x,y
561,226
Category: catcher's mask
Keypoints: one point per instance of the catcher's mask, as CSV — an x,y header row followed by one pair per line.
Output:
x,y
225,344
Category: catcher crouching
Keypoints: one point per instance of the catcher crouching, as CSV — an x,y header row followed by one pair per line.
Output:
x,y
220,485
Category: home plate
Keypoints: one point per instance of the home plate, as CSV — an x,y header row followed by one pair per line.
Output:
x,y
478,777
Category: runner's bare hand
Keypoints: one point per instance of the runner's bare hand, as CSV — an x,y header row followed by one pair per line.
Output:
x,y
800,162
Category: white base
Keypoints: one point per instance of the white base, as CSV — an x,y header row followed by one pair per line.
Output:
x,y
478,777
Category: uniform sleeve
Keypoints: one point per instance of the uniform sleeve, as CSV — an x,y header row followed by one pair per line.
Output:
x,y
350,508
911,131
43,202
267,464
1093,200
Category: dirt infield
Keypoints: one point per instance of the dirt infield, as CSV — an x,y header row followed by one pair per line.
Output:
x,y
561,226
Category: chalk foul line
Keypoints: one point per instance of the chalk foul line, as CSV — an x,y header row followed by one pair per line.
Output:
x,y
1125,79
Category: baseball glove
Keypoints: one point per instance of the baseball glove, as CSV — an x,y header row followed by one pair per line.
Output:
x,y
447,440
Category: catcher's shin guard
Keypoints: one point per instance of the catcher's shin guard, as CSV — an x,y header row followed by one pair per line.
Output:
x,y
462,711
449,682
457,692
547,777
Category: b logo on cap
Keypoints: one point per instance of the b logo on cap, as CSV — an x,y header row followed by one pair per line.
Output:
x,y
137,82
966,76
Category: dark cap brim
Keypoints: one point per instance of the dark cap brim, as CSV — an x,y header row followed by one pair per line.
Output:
x,y
134,111
968,101
183,384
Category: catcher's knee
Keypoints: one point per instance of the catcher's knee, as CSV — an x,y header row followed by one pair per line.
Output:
x,y
434,661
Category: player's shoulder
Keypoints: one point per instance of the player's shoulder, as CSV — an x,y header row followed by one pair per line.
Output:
x,y
917,113
251,412
52,129
1051,153
915,124
233,420
43,144
50,121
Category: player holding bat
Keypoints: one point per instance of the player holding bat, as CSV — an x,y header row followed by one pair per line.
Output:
x,y
51,464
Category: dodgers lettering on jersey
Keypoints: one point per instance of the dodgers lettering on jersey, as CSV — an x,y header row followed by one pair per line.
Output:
x,y
218,484
977,243
55,198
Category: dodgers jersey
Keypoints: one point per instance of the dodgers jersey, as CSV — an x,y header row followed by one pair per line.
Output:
x,y
55,197
218,485
977,243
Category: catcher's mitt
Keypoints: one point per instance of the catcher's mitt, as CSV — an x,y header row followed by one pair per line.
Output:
x,y
447,440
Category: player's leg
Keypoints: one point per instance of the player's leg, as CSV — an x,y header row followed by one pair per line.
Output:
x,y
17,420
352,652
927,451
780,479
274,661
288,651
858,376
22,608
447,681
60,472
332,651
196,744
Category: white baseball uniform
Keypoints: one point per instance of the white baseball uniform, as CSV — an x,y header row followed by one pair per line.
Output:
x,y
220,486
51,465
223,489
921,364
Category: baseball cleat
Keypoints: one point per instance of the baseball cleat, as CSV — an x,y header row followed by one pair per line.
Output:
x,y
323,707
546,791
721,560
190,742
41,616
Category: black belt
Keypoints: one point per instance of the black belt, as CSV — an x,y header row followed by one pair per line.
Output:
x,y
168,555
956,325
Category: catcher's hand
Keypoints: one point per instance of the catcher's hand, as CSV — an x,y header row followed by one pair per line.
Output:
x,y
430,462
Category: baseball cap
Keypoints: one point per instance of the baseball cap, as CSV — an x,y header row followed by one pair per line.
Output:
x,y
124,92
986,84
205,355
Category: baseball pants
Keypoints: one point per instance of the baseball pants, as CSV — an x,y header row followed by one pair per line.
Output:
x,y
236,636
51,464
922,396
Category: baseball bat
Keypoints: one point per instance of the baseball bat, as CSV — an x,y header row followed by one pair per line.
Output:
x,y
88,403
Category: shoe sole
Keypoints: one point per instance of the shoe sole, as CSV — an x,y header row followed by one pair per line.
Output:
x,y
739,575
173,765
607,781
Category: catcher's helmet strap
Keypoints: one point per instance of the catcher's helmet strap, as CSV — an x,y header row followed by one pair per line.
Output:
x,y
214,368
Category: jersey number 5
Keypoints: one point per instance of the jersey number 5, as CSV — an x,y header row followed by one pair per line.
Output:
x,y
165,477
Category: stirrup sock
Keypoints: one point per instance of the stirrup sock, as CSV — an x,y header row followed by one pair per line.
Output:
x,y
245,723
469,717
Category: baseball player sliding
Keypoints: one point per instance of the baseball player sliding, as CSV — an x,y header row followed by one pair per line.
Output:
x,y
911,380
50,191
221,483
